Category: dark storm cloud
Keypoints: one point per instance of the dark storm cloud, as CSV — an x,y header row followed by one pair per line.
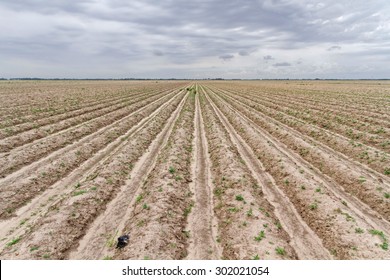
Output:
x,y
130,35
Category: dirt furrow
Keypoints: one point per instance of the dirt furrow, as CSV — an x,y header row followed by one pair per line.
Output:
x,y
247,225
29,131
59,226
26,154
60,127
370,135
158,212
304,241
111,222
38,176
310,193
344,174
201,221
38,123
87,170
368,156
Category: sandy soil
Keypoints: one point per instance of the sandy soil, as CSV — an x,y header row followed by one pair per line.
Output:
x,y
205,170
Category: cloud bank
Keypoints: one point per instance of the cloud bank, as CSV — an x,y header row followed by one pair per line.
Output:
x,y
196,39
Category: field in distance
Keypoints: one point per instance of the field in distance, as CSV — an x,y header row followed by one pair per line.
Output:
x,y
195,169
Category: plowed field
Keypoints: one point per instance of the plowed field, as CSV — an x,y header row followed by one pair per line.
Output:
x,y
195,169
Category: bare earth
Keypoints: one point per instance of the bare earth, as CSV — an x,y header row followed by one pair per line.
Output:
x,y
195,170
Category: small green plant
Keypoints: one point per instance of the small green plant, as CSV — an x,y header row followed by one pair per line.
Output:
x,y
234,209
34,248
171,169
361,179
280,251
111,239
303,187
249,213
188,209
145,206
387,195
256,258
139,198
79,192
278,225
387,171
318,190
385,244
178,178
109,258
313,206
13,242
359,230
46,256
260,236
239,197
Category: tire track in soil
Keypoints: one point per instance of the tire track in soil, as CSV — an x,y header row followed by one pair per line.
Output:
x,y
306,243
202,224
60,187
361,210
93,244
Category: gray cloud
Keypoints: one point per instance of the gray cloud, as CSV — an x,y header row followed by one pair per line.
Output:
x,y
268,57
51,37
243,53
332,48
226,56
281,64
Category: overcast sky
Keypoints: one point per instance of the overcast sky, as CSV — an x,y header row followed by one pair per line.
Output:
x,y
195,39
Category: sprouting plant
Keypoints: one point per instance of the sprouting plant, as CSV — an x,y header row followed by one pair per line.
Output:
x,y
359,230
256,257
239,197
385,244
260,236
313,206
234,209
387,195
139,198
145,206
13,241
280,251
361,179
249,213
34,248
171,169
79,192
